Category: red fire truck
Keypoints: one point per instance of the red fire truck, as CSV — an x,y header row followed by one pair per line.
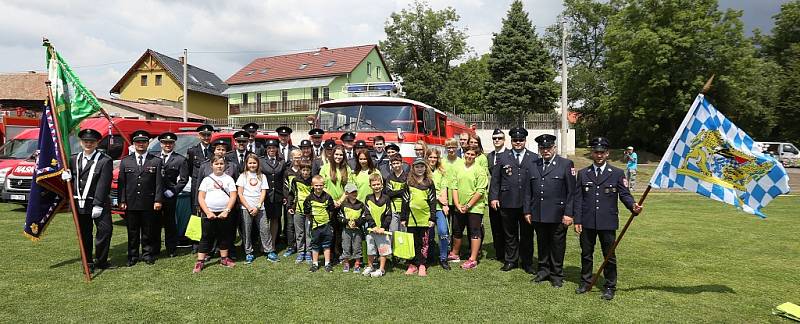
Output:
x,y
374,111
17,157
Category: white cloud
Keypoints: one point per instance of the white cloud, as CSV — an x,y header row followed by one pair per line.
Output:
x,y
102,39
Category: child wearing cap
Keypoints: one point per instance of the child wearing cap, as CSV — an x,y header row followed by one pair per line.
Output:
x,y
396,186
318,208
351,218
419,213
377,217
300,188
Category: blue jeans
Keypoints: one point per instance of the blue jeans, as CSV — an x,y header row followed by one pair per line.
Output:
x,y
444,234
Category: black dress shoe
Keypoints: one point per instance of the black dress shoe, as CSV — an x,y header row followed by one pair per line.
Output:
x,y
608,293
583,288
132,262
91,267
508,266
150,261
103,265
539,279
528,269
445,265
557,283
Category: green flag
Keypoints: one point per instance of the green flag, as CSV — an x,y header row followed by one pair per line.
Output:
x,y
72,101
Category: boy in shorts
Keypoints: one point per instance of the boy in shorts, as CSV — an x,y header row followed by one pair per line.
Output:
x,y
318,208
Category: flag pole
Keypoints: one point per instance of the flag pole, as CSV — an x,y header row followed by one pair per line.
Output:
x,y
619,238
64,159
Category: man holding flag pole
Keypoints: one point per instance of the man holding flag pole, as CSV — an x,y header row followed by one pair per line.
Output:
x,y
712,157
69,102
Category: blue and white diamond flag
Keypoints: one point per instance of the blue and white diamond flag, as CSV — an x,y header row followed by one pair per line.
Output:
x,y
712,157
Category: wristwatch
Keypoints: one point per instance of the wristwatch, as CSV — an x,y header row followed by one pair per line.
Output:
x,y
227,210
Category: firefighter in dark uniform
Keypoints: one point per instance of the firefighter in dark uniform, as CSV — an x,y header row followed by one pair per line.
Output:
x,y
348,141
600,185
198,154
549,208
285,139
274,168
140,196
93,174
495,220
507,194
252,145
316,140
174,176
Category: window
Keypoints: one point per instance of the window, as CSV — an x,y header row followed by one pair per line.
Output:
x,y
258,102
144,80
326,94
264,71
210,84
250,72
378,72
244,98
369,68
442,126
158,79
330,63
284,96
302,66
191,76
315,94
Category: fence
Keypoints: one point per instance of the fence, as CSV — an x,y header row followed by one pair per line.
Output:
x,y
528,121
481,121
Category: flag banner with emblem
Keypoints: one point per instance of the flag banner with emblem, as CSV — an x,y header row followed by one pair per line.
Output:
x,y
712,157
47,189
73,102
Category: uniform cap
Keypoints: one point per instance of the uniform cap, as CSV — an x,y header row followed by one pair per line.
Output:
x,y
316,132
140,135
518,132
392,146
284,130
350,187
305,143
220,142
599,144
348,136
329,144
167,137
360,144
205,129
497,131
89,135
546,140
250,127
272,142
241,136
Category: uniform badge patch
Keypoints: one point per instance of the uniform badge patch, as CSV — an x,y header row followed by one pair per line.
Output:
x,y
625,182
572,171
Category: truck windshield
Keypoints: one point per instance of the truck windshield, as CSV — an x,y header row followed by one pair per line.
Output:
x,y
366,118
19,148
184,142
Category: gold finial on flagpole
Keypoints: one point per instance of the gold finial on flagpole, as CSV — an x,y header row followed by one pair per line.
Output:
x,y
707,86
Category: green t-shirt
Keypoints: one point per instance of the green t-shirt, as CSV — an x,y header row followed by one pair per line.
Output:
x,y
302,191
362,182
420,201
376,211
450,171
440,182
336,190
470,180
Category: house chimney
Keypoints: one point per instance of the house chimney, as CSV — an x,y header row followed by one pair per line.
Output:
x,y
181,59
323,49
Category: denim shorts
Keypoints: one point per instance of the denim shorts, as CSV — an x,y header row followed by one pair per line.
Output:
x,y
321,237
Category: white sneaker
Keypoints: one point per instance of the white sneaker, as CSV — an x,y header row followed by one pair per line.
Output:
x,y
376,273
366,271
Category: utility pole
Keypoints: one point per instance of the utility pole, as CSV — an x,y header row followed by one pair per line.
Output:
x,y
185,85
564,108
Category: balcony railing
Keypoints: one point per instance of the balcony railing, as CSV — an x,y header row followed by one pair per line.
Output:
x,y
275,107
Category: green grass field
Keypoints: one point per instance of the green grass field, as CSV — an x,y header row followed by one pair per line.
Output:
x,y
686,259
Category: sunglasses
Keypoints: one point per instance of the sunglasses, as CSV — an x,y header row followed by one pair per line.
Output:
x,y
517,140
497,138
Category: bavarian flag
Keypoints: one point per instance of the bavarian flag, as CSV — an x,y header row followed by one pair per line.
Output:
x,y
709,155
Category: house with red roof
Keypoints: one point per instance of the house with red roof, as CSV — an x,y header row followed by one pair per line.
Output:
x,y
297,83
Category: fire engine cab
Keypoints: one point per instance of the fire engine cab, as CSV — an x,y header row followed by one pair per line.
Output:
x,y
375,109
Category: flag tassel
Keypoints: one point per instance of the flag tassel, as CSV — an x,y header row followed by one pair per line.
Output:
x,y
619,238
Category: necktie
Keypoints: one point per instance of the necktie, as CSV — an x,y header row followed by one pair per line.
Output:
x,y
241,158
597,171
546,163
205,152
164,157
516,156
140,160
349,155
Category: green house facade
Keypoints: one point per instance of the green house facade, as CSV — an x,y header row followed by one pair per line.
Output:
x,y
296,84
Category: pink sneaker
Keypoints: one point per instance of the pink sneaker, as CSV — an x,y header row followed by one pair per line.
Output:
x,y
227,262
470,264
412,269
198,266
423,271
453,258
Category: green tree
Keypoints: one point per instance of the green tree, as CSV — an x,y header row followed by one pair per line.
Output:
x,y
464,91
419,47
521,74
660,53
586,51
